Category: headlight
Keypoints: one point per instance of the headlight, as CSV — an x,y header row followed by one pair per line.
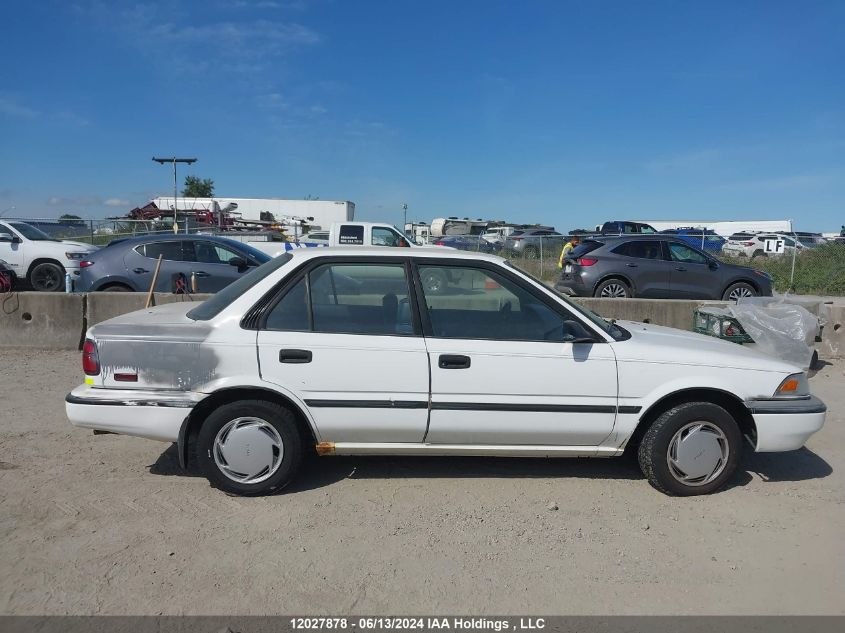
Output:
x,y
76,256
794,386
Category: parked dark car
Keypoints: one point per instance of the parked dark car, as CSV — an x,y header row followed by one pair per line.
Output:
x,y
468,243
127,265
655,266
534,243
704,239
625,227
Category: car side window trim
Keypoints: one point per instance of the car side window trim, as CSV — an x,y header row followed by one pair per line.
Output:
x,y
264,306
561,310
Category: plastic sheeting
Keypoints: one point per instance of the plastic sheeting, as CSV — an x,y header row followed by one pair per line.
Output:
x,y
781,327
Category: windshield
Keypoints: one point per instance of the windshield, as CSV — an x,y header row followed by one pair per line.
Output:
x,y
253,253
223,299
31,233
616,332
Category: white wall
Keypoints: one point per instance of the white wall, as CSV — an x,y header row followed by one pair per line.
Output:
x,y
724,228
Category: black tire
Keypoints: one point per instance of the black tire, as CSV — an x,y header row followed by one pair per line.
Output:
x,y
279,417
740,289
653,453
47,277
531,252
117,288
758,253
611,288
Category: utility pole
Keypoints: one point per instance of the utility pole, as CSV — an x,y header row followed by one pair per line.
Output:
x,y
404,218
174,160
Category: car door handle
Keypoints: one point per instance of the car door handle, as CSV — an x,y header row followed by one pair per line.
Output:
x,y
140,271
629,265
201,273
453,361
681,268
294,356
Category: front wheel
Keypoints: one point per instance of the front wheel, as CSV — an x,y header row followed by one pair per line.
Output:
x,y
739,290
250,447
692,449
47,277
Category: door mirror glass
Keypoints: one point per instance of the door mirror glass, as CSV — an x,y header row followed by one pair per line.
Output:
x,y
6,237
713,265
238,262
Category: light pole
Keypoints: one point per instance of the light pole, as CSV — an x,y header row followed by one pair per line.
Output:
x,y
174,160
404,218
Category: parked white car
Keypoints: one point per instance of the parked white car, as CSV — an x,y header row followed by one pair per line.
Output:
x,y
38,258
755,245
347,353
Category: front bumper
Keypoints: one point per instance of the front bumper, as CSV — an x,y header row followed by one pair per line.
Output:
x,y
155,415
785,425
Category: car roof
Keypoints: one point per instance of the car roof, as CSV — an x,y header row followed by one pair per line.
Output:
x,y
438,252
169,237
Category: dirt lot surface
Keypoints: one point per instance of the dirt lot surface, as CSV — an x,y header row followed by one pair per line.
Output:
x,y
109,524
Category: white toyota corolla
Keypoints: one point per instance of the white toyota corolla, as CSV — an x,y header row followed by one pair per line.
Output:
x,y
428,352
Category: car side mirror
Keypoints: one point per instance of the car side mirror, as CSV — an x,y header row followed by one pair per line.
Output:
x,y
239,262
577,333
712,265
7,237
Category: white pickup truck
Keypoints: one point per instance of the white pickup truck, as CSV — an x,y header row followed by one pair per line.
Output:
x,y
39,259
341,234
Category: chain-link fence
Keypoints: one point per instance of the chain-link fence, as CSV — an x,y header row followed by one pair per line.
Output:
x,y
801,263
102,231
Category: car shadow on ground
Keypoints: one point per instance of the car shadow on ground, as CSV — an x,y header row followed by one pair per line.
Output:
x,y
318,472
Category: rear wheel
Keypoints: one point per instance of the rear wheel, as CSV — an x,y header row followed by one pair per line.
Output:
x,y
250,447
692,449
117,288
433,281
613,289
739,290
531,252
47,277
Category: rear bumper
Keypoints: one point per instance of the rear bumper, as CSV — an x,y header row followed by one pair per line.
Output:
x,y
785,425
152,415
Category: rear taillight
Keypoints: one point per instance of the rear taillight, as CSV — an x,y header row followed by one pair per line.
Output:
x,y
85,264
586,261
516,239
748,243
439,244
90,358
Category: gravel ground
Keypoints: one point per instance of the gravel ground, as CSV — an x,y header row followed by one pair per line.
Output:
x,y
109,524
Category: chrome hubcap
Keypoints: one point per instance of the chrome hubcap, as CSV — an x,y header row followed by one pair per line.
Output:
x,y
433,283
698,453
615,291
248,450
739,293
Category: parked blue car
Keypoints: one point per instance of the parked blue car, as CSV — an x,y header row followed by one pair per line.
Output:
x,y
127,265
702,239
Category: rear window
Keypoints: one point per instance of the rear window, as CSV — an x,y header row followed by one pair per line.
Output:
x,y
587,246
641,249
212,307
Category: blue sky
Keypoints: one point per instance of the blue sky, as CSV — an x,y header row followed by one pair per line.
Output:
x,y
562,112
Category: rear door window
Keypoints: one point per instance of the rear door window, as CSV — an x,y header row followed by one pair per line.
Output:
x,y
170,251
641,249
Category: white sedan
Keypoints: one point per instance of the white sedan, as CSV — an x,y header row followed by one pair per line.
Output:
x,y
344,352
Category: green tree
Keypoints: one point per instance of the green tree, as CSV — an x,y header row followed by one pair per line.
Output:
x,y
70,219
196,187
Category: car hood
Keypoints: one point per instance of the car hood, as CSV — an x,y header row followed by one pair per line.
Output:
x,y
658,344
80,245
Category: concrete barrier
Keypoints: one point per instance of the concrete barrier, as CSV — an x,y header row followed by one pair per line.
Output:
x,y
833,337
675,313
47,320
101,306
58,320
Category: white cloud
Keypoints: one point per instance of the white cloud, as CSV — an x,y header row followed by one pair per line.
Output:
x,y
116,202
11,107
